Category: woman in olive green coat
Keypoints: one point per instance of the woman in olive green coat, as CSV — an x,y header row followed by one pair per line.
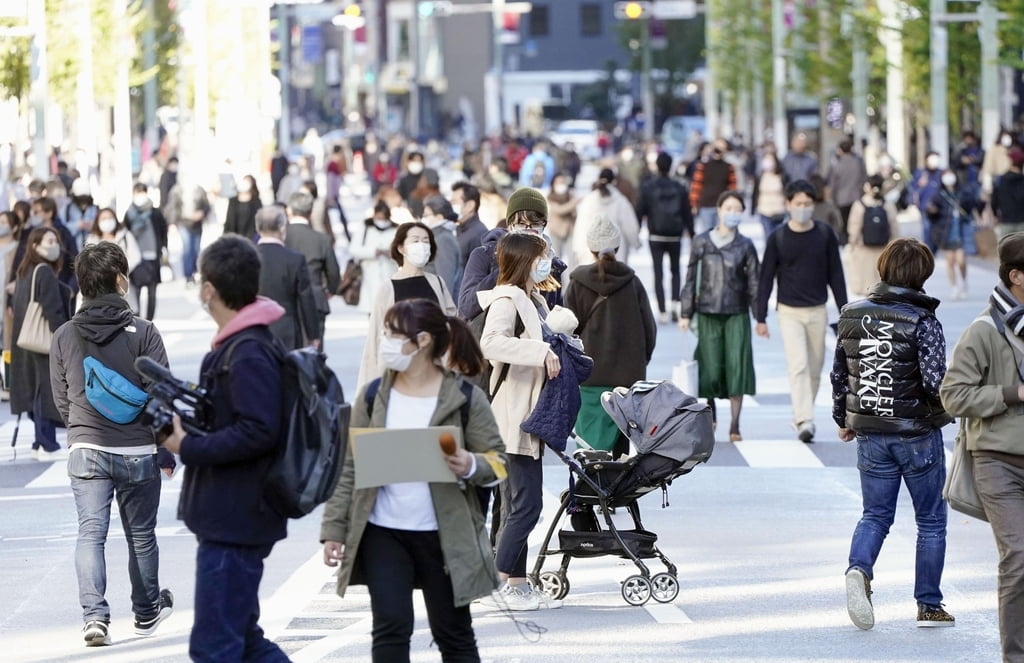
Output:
x,y
403,536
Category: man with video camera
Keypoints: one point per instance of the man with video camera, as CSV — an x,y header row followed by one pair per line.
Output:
x,y
110,456
222,494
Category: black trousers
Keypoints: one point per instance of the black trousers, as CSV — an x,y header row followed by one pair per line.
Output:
x,y
658,252
394,562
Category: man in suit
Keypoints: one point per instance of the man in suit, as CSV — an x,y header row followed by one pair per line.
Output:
x,y
284,277
324,273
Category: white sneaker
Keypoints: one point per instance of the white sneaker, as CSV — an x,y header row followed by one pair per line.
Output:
x,y
50,456
663,318
545,602
510,597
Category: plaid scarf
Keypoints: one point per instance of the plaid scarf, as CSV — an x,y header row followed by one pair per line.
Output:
x,y
1006,306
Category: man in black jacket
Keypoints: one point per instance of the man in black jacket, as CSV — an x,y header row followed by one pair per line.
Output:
x,y
222,494
664,203
284,277
324,273
109,458
889,364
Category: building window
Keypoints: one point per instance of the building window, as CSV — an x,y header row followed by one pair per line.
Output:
x,y
539,24
590,19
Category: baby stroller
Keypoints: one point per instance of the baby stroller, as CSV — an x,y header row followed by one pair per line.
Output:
x,y
671,433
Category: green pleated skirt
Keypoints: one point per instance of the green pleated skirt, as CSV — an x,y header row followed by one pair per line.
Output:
x,y
724,356
593,424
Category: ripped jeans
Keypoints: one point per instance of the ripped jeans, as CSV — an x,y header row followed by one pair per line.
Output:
x,y
919,460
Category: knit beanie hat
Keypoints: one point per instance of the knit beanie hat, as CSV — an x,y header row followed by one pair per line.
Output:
x,y
526,198
603,235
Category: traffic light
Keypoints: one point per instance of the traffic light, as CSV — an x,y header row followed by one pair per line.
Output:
x,y
353,11
632,10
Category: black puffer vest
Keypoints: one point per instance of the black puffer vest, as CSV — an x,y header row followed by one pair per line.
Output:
x,y
878,336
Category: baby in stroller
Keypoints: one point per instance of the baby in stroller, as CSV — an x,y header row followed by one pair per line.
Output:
x,y
671,433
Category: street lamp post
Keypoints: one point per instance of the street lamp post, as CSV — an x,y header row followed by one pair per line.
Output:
x,y
939,46
780,126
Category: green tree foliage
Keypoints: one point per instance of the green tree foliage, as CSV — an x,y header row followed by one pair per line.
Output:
x,y
740,45
14,64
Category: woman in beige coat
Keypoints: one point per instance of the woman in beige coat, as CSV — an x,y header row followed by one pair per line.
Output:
x,y
863,257
412,248
513,341
402,536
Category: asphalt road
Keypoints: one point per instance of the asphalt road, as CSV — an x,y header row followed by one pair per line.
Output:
x,y
760,535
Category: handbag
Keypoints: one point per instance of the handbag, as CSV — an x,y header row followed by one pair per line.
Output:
x,y
35,335
351,283
111,394
960,492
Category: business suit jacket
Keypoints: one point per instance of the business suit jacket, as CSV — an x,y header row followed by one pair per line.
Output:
x,y
284,277
324,273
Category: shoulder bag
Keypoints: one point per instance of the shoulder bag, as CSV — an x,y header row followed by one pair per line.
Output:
x,y
35,335
959,491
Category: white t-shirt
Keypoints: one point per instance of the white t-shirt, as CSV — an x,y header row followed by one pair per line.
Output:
x,y
407,506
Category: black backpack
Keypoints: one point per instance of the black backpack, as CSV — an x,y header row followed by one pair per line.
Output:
x,y
665,216
483,379
306,468
876,226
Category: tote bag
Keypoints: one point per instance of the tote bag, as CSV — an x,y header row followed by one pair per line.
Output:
x,y
685,374
959,491
35,334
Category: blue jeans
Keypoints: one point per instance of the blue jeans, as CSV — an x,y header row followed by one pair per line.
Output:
x,y
920,461
190,242
96,478
228,606
706,219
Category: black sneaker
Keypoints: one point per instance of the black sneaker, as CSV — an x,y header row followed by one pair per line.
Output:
x,y
165,606
805,432
933,617
858,599
96,633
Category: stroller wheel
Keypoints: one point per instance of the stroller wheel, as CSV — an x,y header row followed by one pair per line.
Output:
x,y
555,585
664,587
636,590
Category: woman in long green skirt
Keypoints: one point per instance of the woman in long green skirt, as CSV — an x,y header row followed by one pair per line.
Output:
x,y
720,288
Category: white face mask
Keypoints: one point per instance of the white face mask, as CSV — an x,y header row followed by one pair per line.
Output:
x,y
949,180
48,253
391,354
415,167
732,219
1006,141
768,165
457,210
417,254
35,221
107,225
245,186
542,271
382,224
140,200
932,163
802,215
561,189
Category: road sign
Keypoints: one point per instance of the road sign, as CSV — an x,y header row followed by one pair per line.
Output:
x,y
674,9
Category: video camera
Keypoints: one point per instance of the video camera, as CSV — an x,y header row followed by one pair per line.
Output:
x,y
169,396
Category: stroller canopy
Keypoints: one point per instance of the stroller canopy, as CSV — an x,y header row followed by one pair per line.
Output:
x,y
659,418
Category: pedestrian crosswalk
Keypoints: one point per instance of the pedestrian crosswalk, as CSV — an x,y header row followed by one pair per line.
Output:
x,y
754,454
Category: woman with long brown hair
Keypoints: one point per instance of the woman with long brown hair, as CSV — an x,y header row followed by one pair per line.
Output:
x,y
513,341
30,371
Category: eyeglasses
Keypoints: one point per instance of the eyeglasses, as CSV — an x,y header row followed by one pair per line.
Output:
x,y
530,226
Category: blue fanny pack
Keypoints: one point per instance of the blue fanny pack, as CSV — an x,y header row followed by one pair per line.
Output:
x,y
110,393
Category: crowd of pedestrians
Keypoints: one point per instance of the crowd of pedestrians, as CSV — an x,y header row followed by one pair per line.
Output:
x,y
469,298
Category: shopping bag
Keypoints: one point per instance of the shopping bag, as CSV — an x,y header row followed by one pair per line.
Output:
x,y
685,374
959,491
